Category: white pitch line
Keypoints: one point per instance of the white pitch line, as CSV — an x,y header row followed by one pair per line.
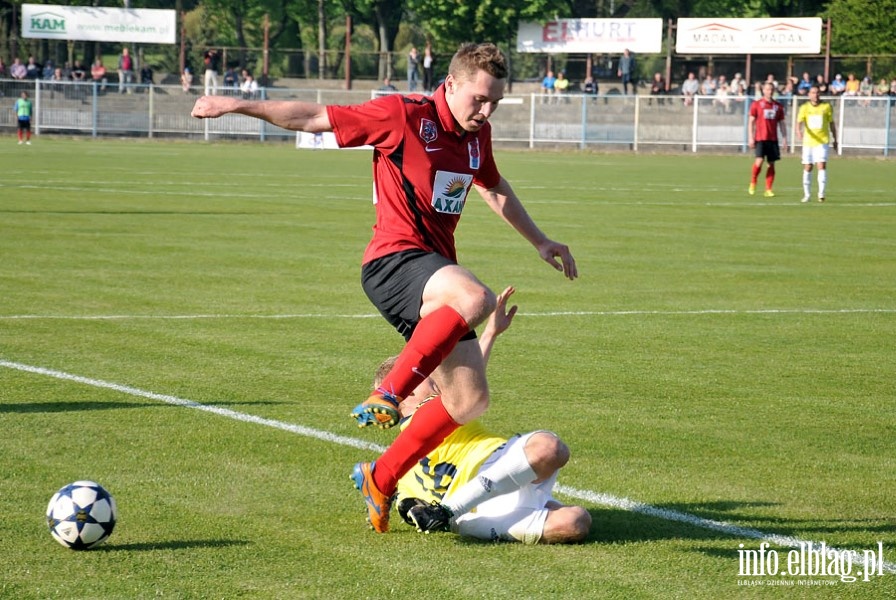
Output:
x,y
572,313
589,496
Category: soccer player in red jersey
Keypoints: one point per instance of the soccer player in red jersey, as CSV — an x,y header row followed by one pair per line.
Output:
x,y
766,118
429,152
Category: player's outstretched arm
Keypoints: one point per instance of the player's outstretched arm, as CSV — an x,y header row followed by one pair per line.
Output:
x,y
504,201
292,115
497,323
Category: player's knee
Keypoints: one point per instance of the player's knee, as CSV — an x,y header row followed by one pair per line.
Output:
x,y
477,304
546,453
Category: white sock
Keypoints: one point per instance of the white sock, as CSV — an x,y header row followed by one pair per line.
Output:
x,y
508,473
822,181
807,183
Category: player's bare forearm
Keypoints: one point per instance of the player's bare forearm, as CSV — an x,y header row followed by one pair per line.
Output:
x,y
497,323
295,116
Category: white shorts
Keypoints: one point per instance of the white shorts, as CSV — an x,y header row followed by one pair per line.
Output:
x,y
812,155
525,506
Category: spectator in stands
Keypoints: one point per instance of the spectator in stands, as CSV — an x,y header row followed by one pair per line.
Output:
x,y
231,79
125,72
249,87
882,88
17,70
658,88
211,60
823,87
32,69
547,84
722,101
738,86
98,73
561,84
428,69
788,90
56,78
852,85
2,68
838,86
49,69
866,88
78,73
186,80
590,86
771,78
708,86
146,74
802,88
893,87
387,86
689,88
626,71
413,75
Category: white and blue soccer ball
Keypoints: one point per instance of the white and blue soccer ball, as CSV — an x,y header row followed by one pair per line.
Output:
x,y
81,515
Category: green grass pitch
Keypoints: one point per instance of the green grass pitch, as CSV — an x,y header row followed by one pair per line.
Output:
x,y
722,358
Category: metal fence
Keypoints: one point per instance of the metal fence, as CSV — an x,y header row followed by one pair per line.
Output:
x,y
866,125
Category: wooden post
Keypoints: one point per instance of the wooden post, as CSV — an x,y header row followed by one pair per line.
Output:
x,y
827,51
348,52
182,59
266,51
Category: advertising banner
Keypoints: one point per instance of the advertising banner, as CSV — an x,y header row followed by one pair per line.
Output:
x,y
748,36
140,26
592,36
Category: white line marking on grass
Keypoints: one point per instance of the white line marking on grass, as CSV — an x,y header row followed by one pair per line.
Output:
x,y
586,495
224,412
681,517
573,313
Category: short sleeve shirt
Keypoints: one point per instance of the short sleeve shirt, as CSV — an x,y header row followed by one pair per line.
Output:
x,y
817,120
767,114
423,169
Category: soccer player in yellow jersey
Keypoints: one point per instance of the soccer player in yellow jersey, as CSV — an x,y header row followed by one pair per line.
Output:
x,y
815,127
484,486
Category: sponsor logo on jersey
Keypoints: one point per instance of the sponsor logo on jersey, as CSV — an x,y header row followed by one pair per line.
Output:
x,y
449,191
473,148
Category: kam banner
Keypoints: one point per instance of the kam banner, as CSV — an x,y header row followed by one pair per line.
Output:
x,y
748,36
137,25
591,36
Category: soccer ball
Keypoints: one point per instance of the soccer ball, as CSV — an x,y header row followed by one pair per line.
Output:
x,y
81,515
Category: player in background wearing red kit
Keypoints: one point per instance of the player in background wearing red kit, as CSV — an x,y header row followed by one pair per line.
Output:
x,y
766,118
429,152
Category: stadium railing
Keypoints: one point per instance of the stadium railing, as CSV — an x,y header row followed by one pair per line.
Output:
x,y
867,125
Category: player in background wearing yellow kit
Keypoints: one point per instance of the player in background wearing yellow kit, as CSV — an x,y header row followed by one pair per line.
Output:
x,y
484,486
815,127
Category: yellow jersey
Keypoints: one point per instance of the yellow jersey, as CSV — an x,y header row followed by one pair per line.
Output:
x,y
817,123
453,463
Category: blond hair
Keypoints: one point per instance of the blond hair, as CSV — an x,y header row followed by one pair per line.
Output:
x,y
472,58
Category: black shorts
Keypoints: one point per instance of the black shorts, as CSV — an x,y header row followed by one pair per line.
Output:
x,y
768,150
25,124
395,282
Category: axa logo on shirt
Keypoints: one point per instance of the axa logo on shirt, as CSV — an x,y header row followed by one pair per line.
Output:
x,y
449,191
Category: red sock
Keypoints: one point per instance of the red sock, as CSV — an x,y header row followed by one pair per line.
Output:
x,y
433,339
20,135
770,176
429,427
755,176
